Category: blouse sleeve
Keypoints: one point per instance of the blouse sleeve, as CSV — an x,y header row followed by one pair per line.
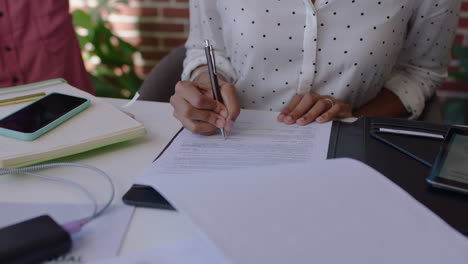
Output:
x,y
206,23
422,65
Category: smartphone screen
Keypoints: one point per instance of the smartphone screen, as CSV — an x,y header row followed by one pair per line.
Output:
x,y
455,165
41,113
450,169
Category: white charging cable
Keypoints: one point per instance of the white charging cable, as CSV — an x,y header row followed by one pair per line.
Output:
x,y
74,226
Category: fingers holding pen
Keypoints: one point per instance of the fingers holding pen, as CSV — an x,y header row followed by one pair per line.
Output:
x,y
199,100
196,111
197,127
188,111
228,93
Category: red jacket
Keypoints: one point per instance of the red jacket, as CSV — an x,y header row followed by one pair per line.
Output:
x,y
38,42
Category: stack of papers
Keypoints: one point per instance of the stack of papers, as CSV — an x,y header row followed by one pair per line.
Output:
x,y
335,211
99,125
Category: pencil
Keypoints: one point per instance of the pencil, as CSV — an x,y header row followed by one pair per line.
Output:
x,y
21,99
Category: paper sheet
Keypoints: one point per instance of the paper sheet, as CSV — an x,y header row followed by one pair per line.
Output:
x,y
256,140
195,250
334,211
99,239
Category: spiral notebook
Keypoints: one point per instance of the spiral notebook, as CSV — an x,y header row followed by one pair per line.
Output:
x,y
100,125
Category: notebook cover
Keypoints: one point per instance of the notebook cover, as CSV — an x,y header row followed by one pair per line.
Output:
x,y
353,140
84,132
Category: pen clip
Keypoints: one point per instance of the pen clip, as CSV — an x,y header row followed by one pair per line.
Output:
x,y
213,61
210,55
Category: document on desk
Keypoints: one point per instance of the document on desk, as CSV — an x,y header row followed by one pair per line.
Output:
x,y
334,211
99,239
257,139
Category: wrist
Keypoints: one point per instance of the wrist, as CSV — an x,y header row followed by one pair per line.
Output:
x,y
197,72
386,103
204,77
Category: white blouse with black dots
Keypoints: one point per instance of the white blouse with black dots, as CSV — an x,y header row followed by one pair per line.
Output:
x,y
349,49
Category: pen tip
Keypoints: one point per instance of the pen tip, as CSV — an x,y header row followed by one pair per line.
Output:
x,y
223,133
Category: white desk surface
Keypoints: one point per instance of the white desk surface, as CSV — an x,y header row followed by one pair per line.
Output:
x,y
149,228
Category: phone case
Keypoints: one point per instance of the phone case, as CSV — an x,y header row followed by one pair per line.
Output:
x,y
31,136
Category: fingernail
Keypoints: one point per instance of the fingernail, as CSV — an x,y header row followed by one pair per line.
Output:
x,y
281,117
219,123
289,119
229,125
319,119
223,113
300,120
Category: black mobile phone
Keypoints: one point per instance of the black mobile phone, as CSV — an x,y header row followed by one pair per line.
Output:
x,y
35,119
146,196
450,169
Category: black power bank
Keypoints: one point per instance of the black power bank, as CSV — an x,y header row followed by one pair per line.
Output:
x,y
33,241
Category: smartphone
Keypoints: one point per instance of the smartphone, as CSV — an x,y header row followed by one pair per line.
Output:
x,y
146,196
450,169
42,115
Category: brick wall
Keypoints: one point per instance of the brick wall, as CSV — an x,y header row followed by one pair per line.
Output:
x,y
157,26
154,26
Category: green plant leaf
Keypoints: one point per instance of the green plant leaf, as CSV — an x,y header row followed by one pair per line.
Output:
x,y
104,88
114,53
83,20
126,48
461,53
103,70
130,82
82,41
109,53
460,76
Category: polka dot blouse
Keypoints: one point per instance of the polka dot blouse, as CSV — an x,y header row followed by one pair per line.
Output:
x,y
348,49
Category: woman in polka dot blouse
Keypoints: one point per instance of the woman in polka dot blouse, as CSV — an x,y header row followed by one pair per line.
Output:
x,y
314,60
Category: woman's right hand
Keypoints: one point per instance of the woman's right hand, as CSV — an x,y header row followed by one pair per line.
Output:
x,y
195,107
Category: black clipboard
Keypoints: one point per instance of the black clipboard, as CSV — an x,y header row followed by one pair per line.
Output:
x,y
354,140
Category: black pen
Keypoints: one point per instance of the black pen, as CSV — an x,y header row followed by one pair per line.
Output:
x,y
210,58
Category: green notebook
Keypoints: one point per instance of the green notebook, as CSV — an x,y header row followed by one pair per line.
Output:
x,y
100,125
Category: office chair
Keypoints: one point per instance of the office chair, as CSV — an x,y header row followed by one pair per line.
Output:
x,y
160,82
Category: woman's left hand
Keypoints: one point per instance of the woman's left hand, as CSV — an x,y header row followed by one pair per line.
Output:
x,y
307,108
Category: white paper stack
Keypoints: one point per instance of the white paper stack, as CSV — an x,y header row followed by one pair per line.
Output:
x,y
335,211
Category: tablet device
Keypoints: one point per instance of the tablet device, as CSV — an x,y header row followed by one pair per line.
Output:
x,y
450,169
